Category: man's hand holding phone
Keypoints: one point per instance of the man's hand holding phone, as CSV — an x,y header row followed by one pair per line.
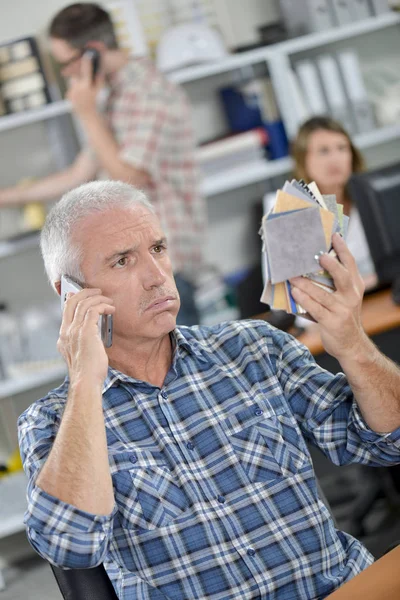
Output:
x,y
80,342
82,91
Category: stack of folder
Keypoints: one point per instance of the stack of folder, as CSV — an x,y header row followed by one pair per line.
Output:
x,y
233,151
23,84
295,232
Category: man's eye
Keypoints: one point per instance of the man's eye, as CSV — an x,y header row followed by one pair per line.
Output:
x,y
122,262
158,249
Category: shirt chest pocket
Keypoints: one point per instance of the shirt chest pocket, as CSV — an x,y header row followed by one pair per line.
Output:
x,y
266,441
147,493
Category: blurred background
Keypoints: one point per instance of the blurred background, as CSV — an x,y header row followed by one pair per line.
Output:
x,y
253,74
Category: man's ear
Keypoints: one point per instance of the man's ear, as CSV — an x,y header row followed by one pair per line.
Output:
x,y
57,285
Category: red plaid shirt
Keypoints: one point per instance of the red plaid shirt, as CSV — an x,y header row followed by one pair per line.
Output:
x,y
151,121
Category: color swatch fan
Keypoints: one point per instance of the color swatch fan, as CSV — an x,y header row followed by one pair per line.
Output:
x,y
296,230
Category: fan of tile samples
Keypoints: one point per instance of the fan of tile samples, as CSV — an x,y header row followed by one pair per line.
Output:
x,y
295,231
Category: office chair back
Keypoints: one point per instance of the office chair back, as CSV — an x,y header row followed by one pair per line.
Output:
x,y
84,584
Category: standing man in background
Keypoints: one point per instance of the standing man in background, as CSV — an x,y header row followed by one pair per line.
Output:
x,y
143,137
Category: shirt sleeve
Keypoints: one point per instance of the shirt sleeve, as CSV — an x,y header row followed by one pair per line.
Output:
x,y
144,114
326,410
61,533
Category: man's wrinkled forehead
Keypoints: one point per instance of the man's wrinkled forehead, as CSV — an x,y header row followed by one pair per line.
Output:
x,y
115,221
103,232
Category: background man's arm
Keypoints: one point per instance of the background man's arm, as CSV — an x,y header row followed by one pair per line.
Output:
x,y
54,186
82,94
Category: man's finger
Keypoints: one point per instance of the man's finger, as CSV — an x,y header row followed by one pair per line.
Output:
x,y
86,69
316,293
86,304
344,254
318,312
72,302
341,276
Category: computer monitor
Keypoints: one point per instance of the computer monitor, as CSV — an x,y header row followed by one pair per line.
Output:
x,y
377,197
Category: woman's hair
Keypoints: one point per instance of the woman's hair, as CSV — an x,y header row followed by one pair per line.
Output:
x,y
62,255
300,145
81,23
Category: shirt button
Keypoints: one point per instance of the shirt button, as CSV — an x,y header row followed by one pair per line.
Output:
x,y
221,499
133,458
258,412
164,395
189,446
251,551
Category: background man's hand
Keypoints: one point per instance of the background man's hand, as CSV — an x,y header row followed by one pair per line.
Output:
x,y
80,343
338,313
82,90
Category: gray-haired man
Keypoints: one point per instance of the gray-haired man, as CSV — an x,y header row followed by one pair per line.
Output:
x,y
177,457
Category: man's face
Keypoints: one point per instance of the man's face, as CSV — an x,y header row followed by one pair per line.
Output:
x,y
125,255
67,57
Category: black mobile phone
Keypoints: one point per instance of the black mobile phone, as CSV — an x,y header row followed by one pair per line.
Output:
x,y
105,321
94,56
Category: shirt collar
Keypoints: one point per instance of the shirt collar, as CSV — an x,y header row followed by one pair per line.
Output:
x,y
185,344
132,69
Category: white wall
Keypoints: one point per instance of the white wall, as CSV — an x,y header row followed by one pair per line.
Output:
x,y
21,18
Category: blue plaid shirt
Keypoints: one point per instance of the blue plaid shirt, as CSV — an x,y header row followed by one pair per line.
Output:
x,y
215,493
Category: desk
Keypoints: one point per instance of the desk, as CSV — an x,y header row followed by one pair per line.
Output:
x,y
379,315
380,581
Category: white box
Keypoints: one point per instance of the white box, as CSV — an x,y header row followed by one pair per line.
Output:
x,y
356,90
360,9
342,12
306,16
307,74
380,6
334,91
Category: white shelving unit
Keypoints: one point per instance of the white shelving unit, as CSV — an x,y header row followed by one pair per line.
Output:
x,y
337,34
12,508
18,244
49,111
228,180
256,172
230,63
18,385
299,44
12,503
277,57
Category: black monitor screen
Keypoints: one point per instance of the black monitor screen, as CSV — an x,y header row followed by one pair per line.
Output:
x,y
377,197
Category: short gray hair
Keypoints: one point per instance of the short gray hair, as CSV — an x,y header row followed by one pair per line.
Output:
x,y
60,254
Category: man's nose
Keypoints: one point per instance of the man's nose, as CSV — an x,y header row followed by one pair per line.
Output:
x,y
154,274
